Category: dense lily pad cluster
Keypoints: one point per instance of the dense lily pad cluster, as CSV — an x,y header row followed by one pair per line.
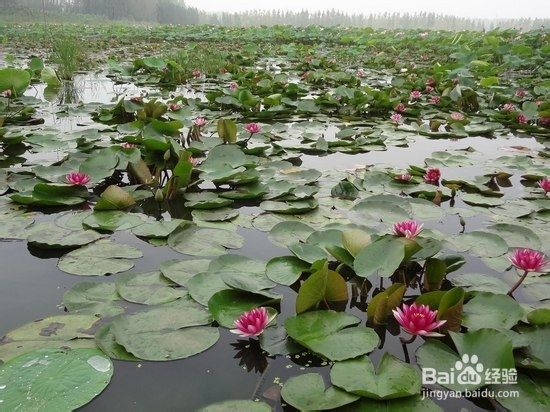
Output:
x,y
397,194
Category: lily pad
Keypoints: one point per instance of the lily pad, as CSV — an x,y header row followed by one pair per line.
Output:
x,y
99,299
308,393
99,258
392,379
327,333
68,331
180,271
196,241
45,379
150,288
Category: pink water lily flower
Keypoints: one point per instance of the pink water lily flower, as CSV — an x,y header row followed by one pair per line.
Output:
x,y
432,175
233,86
196,73
520,93
253,128
544,184
528,260
396,117
435,100
195,161
415,95
174,107
361,73
199,121
6,93
127,145
509,107
403,177
252,323
400,108
521,119
407,228
77,178
457,116
429,89
418,319
430,82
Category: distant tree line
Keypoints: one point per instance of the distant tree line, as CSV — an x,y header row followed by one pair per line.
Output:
x,y
177,12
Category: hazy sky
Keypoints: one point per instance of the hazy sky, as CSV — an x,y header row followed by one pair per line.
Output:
x,y
464,8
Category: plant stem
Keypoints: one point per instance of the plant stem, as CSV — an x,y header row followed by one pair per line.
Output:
x,y
521,279
404,343
407,341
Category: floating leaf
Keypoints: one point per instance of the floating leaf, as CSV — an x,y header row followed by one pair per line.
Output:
x,y
149,288
180,271
99,299
308,393
382,256
99,258
196,241
166,332
285,270
323,285
45,379
227,305
392,379
326,332
237,405
492,348
68,331
487,310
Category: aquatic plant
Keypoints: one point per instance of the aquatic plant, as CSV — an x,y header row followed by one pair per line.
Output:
x,y
407,228
252,323
418,320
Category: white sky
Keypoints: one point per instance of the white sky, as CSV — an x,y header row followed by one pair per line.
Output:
x,y
463,8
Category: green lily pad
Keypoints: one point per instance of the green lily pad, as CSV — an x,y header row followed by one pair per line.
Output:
x,y
480,283
196,241
106,341
308,393
285,270
166,332
326,332
70,331
382,256
99,299
487,310
99,258
392,379
534,394
111,220
54,237
492,348
482,244
45,379
241,272
180,271
237,405
150,288
158,229
227,305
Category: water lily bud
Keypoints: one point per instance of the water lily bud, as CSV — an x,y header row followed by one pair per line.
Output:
x,y
159,196
167,155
